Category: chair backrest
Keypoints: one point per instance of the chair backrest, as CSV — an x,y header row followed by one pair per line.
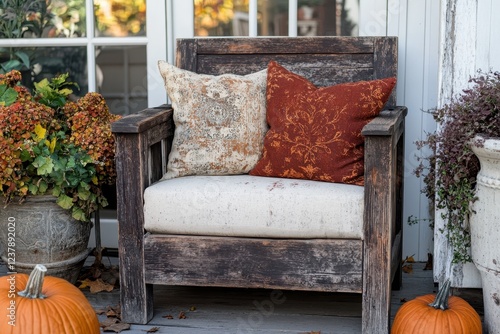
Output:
x,y
322,60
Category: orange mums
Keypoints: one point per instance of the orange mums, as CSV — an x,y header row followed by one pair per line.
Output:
x,y
52,145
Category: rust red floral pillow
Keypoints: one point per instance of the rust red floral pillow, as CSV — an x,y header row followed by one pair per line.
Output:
x,y
315,133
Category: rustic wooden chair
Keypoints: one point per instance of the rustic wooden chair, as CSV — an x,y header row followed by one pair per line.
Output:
x,y
368,265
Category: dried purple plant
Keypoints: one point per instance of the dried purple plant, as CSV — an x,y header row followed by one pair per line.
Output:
x,y
450,171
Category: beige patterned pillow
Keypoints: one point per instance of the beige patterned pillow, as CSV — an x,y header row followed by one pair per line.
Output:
x,y
220,121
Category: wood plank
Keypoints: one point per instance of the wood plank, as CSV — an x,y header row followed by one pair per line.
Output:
x,y
283,45
316,264
378,220
132,179
211,64
320,70
147,118
390,122
397,245
399,219
385,62
159,132
187,54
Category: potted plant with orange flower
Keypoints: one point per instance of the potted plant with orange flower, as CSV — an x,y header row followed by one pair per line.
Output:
x,y
55,156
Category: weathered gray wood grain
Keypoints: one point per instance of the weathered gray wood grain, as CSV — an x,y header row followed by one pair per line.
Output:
x,y
315,264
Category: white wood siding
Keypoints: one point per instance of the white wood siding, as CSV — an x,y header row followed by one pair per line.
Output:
x,y
470,30
416,23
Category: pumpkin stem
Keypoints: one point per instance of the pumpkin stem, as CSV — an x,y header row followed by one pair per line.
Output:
x,y
33,288
441,300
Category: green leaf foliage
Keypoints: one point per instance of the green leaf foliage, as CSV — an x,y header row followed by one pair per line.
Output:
x,y
54,93
7,95
78,214
64,201
44,165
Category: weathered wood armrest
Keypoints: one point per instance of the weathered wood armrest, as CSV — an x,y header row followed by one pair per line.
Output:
x,y
142,144
388,123
143,120
384,154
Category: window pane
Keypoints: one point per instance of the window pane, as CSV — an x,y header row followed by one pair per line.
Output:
x,y
120,18
41,18
273,17
46,62
121,78
314,17
221,17
329,18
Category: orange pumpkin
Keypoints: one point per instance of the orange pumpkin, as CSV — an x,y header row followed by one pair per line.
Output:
x,y
44,306
438,313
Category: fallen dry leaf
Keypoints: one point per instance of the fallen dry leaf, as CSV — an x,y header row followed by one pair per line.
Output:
x,y
96,286
153,330
108,276
116,327
182,315
430,261
108,322
408,268
114,311
100,311
409,259
113,322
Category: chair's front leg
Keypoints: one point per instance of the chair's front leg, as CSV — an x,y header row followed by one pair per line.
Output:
x,y
136,297
379,215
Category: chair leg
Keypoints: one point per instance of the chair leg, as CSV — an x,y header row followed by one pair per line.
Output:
x,y
136,297
376,308
397,262
397,283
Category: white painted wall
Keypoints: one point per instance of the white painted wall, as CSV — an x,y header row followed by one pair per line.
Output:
x,y
416,23
469,29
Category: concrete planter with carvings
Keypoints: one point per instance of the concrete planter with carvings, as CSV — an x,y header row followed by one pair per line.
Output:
x,y
485,230
39,231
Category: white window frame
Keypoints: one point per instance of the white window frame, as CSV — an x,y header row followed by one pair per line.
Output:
x,y
156,32
156,48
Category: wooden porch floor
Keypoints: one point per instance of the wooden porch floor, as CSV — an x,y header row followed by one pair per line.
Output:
x,y
222,310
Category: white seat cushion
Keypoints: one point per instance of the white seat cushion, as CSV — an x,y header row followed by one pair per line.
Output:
x,y
254,206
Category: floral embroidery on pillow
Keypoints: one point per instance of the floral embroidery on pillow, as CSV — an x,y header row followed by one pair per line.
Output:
x,y
315,133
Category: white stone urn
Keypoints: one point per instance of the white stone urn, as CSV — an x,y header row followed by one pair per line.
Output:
x,y
485,228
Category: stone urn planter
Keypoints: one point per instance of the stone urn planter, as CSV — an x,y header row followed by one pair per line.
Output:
x,y
485,229
39,231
